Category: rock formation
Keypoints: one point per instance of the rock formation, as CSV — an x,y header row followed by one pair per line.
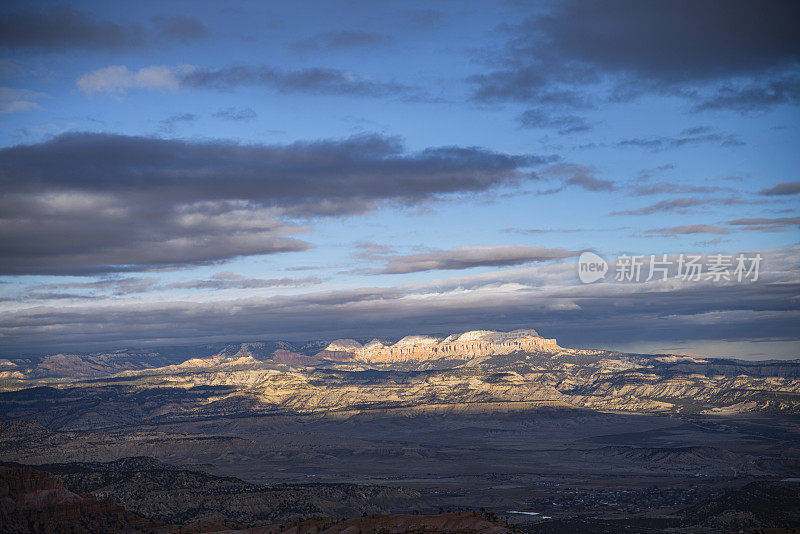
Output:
x,y
471,344
31,501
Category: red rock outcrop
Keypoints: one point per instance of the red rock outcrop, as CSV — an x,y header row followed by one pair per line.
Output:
x,y
451,523
31,501
472,344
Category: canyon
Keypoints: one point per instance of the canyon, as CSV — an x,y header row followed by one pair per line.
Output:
x,y
415,425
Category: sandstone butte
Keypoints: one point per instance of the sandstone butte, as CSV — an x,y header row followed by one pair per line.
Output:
x,y
472,344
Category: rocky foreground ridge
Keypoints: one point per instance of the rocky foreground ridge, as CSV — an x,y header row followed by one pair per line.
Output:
x,y
475,343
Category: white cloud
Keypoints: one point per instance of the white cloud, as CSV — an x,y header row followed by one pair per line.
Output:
x,y
119,79
15,100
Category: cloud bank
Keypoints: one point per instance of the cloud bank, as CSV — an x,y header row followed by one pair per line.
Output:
x,y
469,257
127,203
737,55
546,297
61,27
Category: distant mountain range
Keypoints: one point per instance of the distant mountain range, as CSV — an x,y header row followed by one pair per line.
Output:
x,y
481,371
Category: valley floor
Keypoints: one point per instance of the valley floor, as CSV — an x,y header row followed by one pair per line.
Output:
x,y
566,469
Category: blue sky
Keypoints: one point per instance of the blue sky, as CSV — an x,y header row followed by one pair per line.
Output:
x,y
194,171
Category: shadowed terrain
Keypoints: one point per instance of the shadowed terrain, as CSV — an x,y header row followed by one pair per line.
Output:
x,y
557,440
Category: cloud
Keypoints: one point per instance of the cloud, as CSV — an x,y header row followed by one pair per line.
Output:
x,y
17,106
753,95
544,296
178,28
118,79
217,283
675,41
689,138
472,256
546,231
172,120
738,56
114,286
317,81
647,174
689,229
133,285
372,250
174,202
782,189
591,183
564,124
16,100
59,28
323,177
84,233
768,224
579,175
314,80
682,205
533,84
342,39
39,296
236,114
659,188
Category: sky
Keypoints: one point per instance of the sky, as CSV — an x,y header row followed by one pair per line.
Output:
x,y
196,171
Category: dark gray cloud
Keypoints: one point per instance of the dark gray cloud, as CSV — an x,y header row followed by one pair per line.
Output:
x,y
347,173
677,40
687,139
689,229
83,233
170,122
782,189
61,27
178,27
754,95
127,203
739,55
335,40
236,114
563,124
534,84
546,297
472,256
316,81
696,130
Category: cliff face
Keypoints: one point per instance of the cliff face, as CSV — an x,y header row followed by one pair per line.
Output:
x,y
472,344
31,501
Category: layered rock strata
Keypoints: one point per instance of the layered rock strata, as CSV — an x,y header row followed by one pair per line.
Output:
x,y
471,344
